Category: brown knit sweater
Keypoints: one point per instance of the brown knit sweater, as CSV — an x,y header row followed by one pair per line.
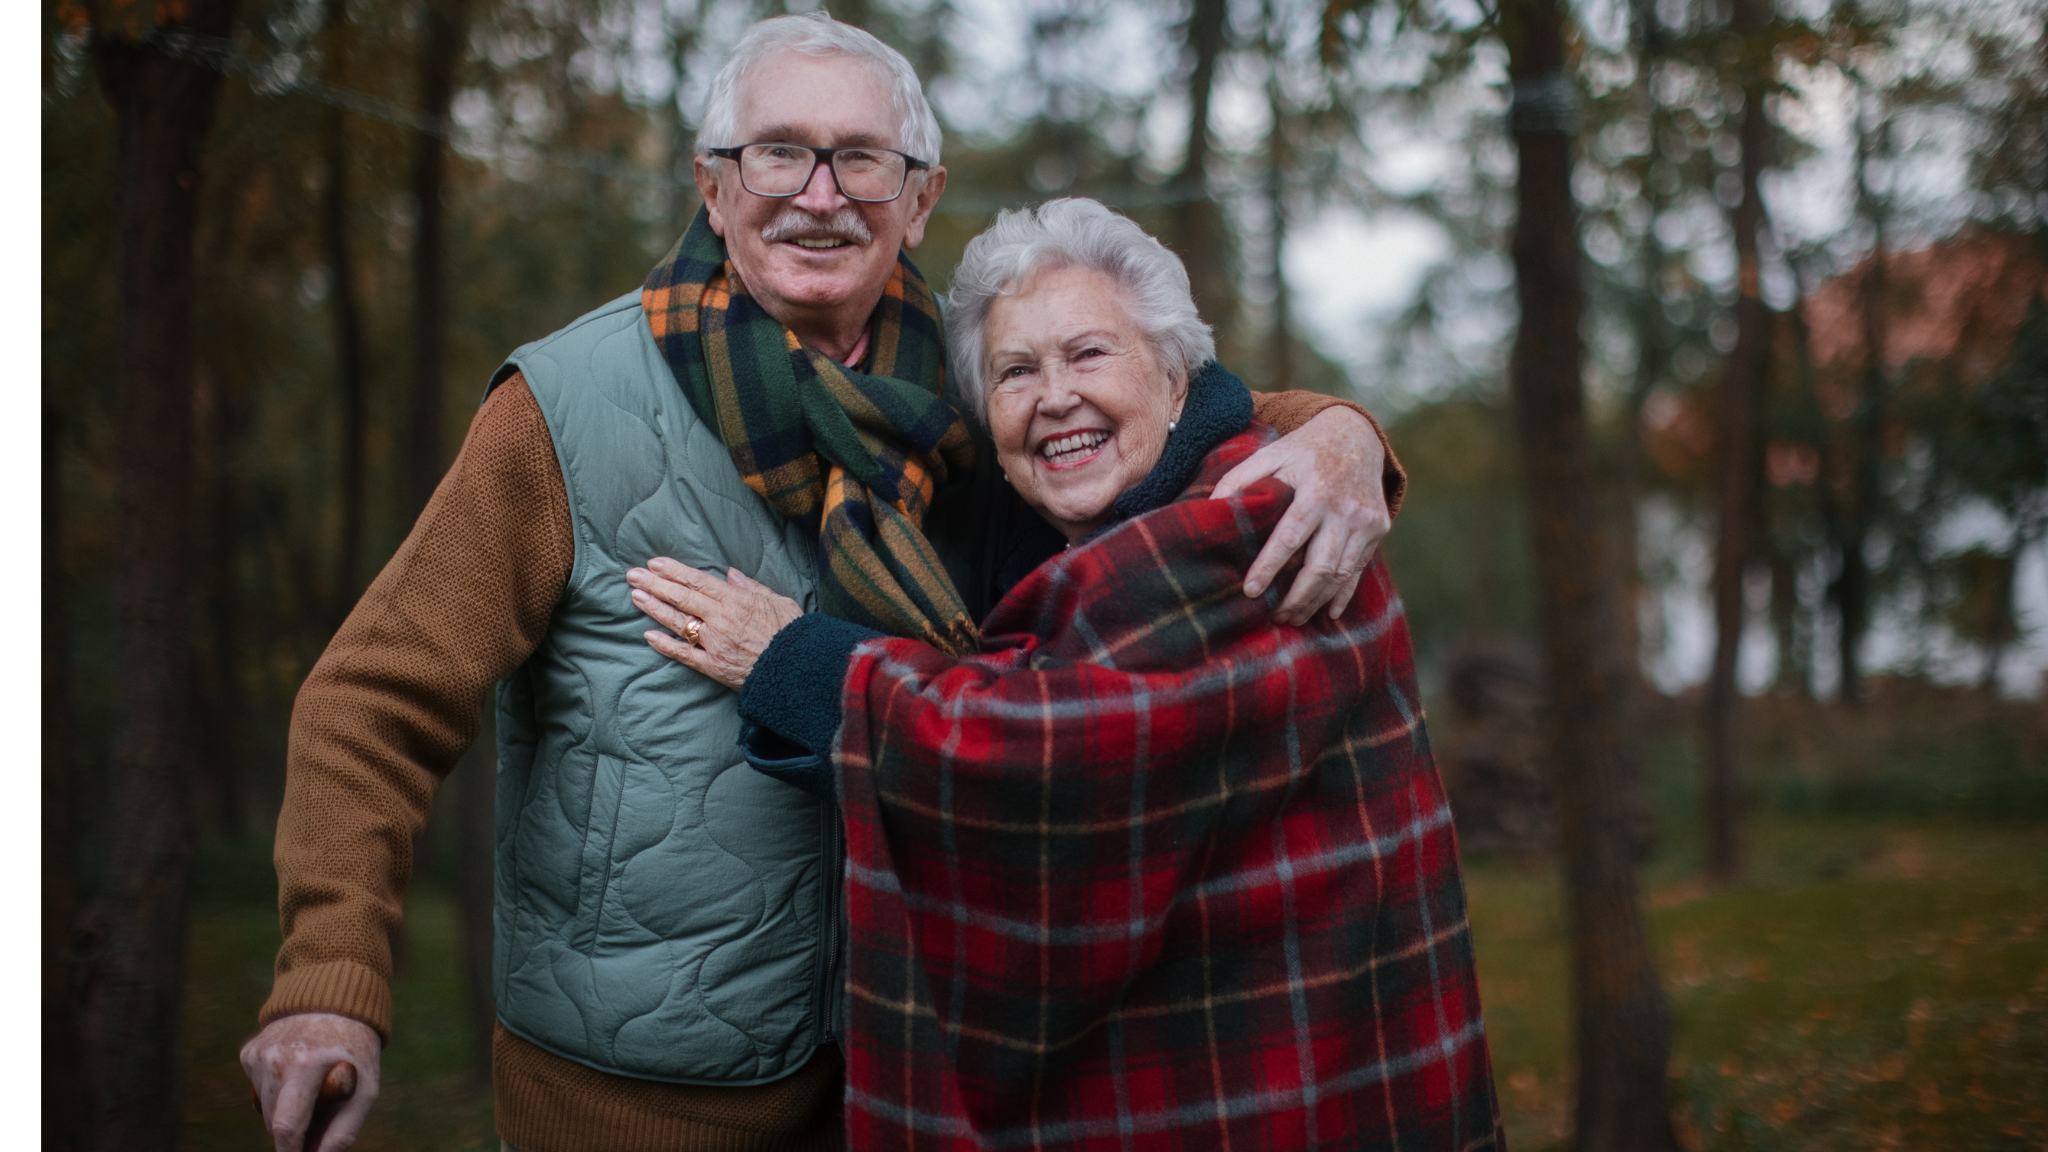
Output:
x,y
385,714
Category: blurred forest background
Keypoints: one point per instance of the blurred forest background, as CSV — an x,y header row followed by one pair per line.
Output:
x,y
1815,340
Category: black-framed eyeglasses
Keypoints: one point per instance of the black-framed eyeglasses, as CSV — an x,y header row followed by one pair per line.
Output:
x,y
869,175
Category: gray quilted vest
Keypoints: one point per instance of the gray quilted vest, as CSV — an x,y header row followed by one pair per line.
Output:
x,y
662,909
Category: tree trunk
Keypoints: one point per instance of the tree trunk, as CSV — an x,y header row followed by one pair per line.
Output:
x,y
1785,677
682,138
475,787
1866,436
222,707
1653,348
1741,384
60,826
1280,351
1199,234
134,933
1631,457
1805,622
1623,1028
348,321
440,54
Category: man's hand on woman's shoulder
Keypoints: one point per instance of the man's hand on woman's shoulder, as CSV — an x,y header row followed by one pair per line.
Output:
x,y
1334,464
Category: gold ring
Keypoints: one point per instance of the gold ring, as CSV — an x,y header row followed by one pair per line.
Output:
x,y
692,630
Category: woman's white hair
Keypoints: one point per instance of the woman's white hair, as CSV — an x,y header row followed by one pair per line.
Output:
x,y
817,34
1072,233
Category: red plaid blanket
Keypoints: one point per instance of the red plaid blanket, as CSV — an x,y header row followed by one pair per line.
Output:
x,y
1152,872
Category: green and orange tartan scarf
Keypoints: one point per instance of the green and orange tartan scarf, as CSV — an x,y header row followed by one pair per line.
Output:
x,y
861,454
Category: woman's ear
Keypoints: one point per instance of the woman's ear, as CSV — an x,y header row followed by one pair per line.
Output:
x,y
1177,388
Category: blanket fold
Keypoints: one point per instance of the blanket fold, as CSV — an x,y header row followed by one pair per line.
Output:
x,y
1153,872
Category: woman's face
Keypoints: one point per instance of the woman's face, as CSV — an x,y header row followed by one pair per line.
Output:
x,y
1077,402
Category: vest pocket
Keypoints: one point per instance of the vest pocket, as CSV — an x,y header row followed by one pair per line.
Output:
x,y
601,827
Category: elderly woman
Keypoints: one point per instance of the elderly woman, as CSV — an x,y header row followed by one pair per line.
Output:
x,y
1146,868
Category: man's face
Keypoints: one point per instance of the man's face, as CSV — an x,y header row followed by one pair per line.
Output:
x,y
816,261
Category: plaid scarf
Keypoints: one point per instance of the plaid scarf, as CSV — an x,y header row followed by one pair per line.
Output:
x,y
858,453
1152,872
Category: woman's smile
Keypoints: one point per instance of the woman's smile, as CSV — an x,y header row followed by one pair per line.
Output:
x,y
1065,450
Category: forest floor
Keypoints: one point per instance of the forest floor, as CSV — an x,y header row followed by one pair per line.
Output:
x,y
1873,984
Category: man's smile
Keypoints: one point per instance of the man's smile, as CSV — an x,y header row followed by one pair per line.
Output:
x,y
807,232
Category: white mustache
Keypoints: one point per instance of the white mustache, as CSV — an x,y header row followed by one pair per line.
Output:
x,y
792,222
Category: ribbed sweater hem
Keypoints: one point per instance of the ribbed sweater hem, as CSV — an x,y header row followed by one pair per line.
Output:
x,y
341,987
547,1104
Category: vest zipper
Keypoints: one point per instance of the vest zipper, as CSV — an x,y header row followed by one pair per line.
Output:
x,y
832,921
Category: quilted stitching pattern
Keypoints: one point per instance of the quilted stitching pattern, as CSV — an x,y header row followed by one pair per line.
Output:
x,y
657,911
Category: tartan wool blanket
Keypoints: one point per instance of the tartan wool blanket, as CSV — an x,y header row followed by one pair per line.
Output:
x,y
1152,872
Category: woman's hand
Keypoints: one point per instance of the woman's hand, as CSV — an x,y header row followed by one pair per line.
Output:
x,y
735,618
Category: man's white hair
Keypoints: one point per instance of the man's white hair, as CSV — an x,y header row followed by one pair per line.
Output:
x,y
1072,233
818,34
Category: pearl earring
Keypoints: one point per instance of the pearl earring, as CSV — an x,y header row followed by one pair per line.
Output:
x,y
1171,425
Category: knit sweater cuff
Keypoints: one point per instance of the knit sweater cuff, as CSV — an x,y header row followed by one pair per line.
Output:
x,y
1287,411
794,687
341,987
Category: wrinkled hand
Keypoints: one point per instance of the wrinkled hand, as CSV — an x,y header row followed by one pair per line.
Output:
x,y
286,1063
740,614
1333,463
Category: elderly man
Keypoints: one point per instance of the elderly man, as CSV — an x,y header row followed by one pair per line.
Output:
x,y
666,958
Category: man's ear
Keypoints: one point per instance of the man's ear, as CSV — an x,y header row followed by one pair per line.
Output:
x,y
705,169
926,199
